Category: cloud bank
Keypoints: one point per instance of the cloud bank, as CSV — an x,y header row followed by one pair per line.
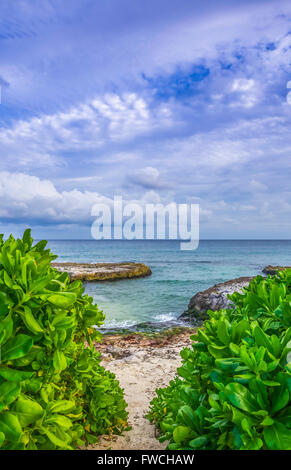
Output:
x,y
165,101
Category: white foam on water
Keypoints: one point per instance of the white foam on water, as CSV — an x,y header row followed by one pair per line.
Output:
x,y
100,298
119,324
164,317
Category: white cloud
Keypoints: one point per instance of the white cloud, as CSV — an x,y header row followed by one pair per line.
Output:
x,y
256,186
246,92
243,84
96,50
148,178
227,142
41,140
29,198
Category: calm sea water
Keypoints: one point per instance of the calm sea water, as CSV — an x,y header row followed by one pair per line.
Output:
x,y
177,275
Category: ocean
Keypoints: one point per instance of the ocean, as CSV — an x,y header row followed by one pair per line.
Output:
x,y
176,275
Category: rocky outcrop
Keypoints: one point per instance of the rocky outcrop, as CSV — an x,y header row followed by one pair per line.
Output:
x,y
103,271
214,298
274,269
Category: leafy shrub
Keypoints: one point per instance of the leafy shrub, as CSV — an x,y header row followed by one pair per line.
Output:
x,y
54,394
233,389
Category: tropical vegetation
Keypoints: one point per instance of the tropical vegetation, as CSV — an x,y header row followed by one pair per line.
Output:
x,y
54,394
233,388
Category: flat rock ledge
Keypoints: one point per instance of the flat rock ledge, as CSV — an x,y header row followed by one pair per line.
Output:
x,y
103,271
213,298
274,269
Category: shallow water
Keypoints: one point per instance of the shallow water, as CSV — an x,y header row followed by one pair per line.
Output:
x,y
177,275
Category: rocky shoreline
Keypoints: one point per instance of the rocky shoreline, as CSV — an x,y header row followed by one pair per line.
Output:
x,y
103,271
213,298
216,297
274,269
120,346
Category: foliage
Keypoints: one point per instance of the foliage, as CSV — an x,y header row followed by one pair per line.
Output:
x,y
54,394
233,388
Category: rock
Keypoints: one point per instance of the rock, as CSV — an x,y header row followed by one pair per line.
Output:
x,y
115,352
213,298
103,271
146,327
274,269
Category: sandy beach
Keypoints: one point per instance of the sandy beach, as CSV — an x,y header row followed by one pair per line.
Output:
x,y
141,365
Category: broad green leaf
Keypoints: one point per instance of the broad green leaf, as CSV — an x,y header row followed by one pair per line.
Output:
x,y
181,433
173,446
27,237
6,329
28,411
227,364
234,348
9,391
29,320
62,321
216,376
222,332
2,438
8,281
246,427
63,300
280,398
218,351
16,347
31,385
39,284
60,420
241,397
253,443
13,374
167,427
187,414
278,437
285,416
59,360
198,443
268,421
55,440
62,406
4,303
10,426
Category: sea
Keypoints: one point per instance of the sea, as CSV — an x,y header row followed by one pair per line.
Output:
x,y
176,275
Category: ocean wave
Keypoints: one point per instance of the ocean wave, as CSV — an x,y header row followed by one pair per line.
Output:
x,y
158,323
113,324
164,317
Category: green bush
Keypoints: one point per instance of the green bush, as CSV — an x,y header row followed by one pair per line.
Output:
x,y
54,394
233,389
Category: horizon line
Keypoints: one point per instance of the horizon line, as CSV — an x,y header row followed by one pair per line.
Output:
x,y
165,240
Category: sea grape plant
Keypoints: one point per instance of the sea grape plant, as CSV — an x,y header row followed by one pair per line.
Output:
x,y
233,388
54,394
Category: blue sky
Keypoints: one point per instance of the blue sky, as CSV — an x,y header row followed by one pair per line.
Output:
x,y
157,101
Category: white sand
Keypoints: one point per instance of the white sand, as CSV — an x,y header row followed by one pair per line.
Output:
x,y
142,371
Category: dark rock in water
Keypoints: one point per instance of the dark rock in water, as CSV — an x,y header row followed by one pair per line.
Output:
x,y
274,269
213,298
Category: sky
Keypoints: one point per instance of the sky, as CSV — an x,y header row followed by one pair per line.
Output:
x,y
160,101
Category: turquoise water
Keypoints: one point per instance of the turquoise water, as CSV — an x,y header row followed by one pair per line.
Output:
x,y
177,275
